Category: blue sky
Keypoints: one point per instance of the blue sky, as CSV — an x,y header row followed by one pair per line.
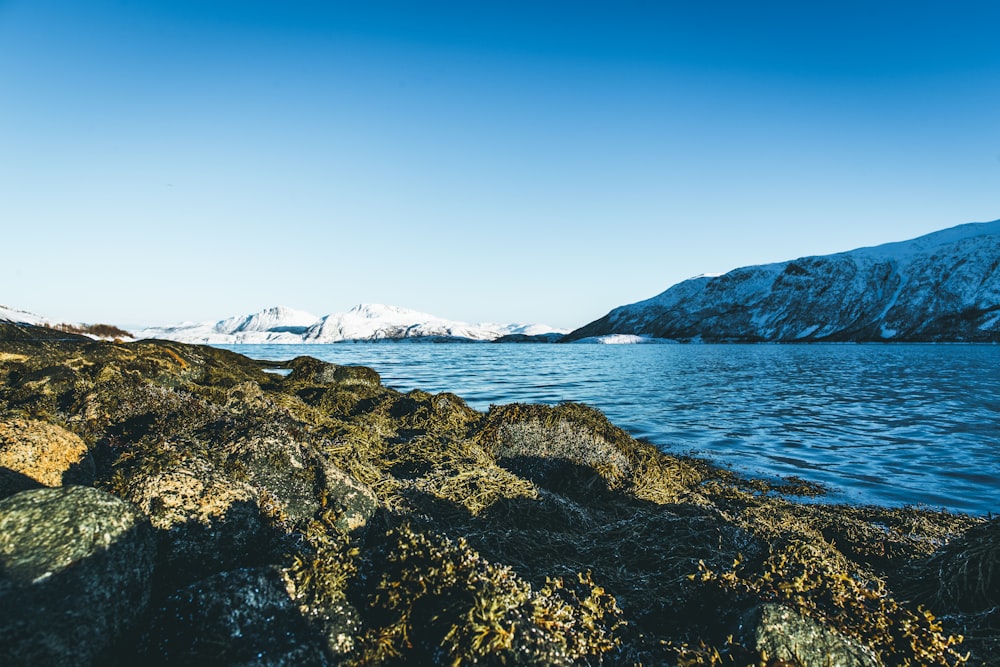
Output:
x,y
482,161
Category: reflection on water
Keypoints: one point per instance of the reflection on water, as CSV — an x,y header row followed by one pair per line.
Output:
x,y
886,424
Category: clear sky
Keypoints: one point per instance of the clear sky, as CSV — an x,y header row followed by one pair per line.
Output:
x,y
482,161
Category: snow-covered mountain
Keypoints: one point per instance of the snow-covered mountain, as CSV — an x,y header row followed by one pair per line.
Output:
x,y
95,331
21,316
364,322
271,325
944,286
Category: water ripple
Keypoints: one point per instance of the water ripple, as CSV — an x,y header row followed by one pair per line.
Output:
x,y
885,424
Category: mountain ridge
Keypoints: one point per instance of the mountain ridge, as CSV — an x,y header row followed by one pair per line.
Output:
x,y
940,287
363,322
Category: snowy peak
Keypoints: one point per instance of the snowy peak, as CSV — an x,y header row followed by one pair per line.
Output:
x,y
382,322
944,286
278,319
363,322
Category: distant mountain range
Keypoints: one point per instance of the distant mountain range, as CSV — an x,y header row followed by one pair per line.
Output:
x,y
943,286
364,322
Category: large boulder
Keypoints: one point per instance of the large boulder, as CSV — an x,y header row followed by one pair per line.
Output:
x,y
206,521
241,617
570,448
75,573
35,453
310,370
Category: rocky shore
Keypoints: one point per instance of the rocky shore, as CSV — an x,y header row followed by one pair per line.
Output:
x,y
171,504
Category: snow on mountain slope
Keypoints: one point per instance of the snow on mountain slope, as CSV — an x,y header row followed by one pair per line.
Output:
x,y
364,322
97,331
375,321
272,325
278,319
21,316
944,286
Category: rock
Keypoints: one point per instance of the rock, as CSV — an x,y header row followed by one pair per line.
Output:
x,y
310,370
205,521
567,447
962,576
782,634
75,571
36,453
241,617
354,502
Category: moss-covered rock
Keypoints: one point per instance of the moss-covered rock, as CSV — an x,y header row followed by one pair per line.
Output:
x,y
782,634
313,371
38,453
345,500
205,521
437,601
378,527
75,574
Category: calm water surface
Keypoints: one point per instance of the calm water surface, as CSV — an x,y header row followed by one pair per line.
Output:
x,y
883,424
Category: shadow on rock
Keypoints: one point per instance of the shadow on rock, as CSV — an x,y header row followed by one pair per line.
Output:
x,y
75,574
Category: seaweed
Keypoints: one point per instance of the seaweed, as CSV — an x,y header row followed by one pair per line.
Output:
x,y
410,528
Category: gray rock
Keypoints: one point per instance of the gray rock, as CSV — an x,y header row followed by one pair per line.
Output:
x,y
781,633
75,573
241,617
308,369
354,502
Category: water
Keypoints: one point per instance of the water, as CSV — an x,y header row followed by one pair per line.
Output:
x,y
882,424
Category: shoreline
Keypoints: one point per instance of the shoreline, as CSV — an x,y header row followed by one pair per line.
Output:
x,y
387,528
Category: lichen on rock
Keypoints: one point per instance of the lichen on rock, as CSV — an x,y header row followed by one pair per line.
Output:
x,y
35,452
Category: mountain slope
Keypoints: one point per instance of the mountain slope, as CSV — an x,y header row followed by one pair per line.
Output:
x,y
21,316
14,318
943,286
272,325
364,322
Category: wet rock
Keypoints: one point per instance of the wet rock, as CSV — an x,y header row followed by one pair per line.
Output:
x,y
782,634
241,617
75,571
35,453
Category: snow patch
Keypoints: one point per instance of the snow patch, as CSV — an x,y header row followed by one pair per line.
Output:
x,y
624,339
990,323
808,331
